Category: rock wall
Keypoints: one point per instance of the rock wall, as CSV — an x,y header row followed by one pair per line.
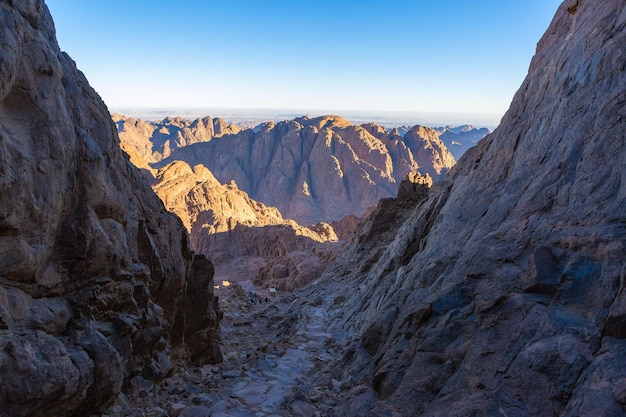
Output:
x,y
503,293
93,270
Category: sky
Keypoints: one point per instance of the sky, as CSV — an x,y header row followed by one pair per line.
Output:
x,y
449,56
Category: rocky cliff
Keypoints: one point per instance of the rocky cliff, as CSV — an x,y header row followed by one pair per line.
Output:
x,y
312,170
503,291
95,274
225,224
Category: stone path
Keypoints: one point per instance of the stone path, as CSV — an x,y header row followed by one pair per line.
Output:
x,y
274,365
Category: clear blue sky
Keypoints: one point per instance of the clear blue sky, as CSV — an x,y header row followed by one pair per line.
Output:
x,y
461,56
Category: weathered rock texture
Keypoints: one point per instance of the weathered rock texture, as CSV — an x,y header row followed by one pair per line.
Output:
x,y
94,273
225,225
503,293
312,170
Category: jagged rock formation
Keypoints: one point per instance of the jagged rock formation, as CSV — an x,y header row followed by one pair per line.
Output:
x,y
155,141
314,170
95,274
459,139
503,291
225,225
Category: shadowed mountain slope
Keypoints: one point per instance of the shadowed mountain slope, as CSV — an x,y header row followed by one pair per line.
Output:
x,y
503,291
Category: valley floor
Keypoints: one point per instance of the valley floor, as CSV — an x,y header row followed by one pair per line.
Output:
x,y
275,362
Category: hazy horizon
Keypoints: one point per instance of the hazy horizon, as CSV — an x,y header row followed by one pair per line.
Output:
x,y
249,117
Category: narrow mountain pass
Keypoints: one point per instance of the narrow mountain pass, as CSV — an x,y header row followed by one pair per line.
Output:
x,y
275,350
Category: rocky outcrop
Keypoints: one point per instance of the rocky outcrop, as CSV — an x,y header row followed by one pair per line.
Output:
x,y
94,273
226,225
314,170
502,293
157,140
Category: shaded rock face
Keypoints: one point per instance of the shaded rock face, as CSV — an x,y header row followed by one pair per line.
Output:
x,y
314,170
503,291
227,225
93,270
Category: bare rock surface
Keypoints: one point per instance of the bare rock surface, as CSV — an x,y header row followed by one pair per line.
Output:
x,y
226,225
498,291
501,292
94,272
311,169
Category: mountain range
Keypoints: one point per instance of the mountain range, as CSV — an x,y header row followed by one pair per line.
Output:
x,y
312,170
227,226
459,139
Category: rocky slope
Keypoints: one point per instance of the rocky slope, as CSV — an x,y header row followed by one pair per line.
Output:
x,y
503,291
312,170
98,289
227,225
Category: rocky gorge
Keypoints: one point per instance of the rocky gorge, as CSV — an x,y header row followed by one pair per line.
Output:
x,y
498,290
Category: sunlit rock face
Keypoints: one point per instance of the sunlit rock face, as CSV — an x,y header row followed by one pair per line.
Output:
x,y
312,170
225,224
502,291
155,141
94,272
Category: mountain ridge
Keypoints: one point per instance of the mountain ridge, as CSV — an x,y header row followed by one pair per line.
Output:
x,y
315,169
